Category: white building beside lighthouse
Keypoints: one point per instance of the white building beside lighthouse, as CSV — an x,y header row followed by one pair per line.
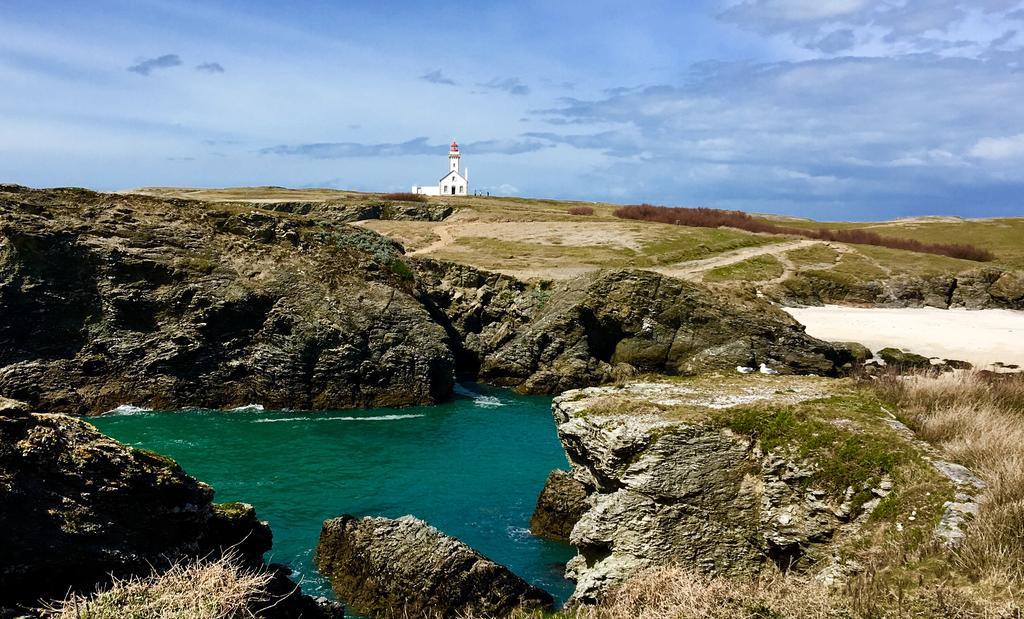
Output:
x,y
454,183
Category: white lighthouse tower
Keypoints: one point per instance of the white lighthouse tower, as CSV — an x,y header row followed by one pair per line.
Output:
x,y
453,157
454,183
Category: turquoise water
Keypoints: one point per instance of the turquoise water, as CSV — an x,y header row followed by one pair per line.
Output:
x,y
472,467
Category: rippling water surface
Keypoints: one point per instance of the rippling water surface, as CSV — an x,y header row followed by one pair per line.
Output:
x,y
472,467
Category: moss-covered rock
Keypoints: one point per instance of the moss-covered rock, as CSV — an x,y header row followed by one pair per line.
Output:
x,y
904,360
858,353
732,474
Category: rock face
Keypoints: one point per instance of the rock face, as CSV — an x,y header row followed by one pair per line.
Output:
x,y
112,299
406,568
560,506
982,288
594,328
663,489
76,506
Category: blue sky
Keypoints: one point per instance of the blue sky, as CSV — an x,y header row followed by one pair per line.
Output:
x,y
838,109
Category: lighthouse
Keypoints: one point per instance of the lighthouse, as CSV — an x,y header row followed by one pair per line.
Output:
x,y
453,157
454,183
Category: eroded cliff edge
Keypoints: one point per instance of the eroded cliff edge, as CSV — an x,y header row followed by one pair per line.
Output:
x,y
733,475
109,299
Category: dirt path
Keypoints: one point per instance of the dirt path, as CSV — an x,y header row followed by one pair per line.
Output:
x,y
695,269
444,239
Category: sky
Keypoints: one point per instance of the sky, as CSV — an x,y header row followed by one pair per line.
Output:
x,y
833,109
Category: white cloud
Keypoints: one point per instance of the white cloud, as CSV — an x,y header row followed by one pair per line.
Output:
x,y
996,149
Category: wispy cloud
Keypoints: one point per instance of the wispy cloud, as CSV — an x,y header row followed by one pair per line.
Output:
x,y
148,65
511,85
835,42
210,67
437,77
415,146
911,25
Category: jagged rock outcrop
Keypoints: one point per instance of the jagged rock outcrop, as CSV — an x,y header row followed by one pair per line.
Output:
x,y
989,287
406,568
109,299
77,506
561,504
546,338
669,483
983,288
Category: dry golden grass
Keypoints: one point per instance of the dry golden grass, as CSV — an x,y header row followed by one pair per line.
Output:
x,y
218,589
978,420
673,592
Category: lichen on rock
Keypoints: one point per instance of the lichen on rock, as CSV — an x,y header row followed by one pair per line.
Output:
x,y
728,475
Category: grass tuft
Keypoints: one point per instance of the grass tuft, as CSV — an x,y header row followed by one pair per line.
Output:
x,y
978,419
218,589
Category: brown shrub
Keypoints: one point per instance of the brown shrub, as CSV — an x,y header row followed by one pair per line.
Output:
x,y
580,210
404,197
715,218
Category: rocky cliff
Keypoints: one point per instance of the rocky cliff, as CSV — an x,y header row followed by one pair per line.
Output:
x,y
77,507
545,338
982,288
109,299
729,475
406,568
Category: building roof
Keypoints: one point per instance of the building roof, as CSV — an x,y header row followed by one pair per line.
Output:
x,y
450,172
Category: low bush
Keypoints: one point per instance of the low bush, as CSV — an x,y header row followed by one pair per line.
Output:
x,y
580,210
716,218
404,197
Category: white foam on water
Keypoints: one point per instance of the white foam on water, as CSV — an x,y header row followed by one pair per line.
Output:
x,y
371,418
518,533
247,408
128,409
483,401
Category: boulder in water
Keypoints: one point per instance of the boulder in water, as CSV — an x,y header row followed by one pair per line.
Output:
x,y
561,504
404,567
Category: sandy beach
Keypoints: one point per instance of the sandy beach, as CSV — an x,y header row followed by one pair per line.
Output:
x,y
982,337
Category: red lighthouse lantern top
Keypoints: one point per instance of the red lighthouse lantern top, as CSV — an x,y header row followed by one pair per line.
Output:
x,y
455,147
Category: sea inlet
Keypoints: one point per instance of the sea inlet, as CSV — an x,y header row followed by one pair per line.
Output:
x,y
472,467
